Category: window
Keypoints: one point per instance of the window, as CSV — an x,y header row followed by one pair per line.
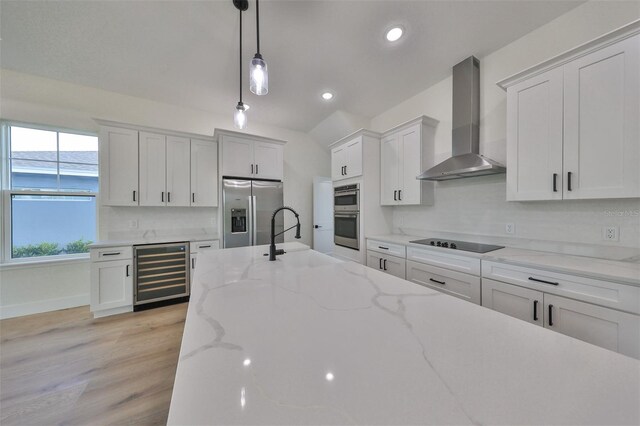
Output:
x,y
50,200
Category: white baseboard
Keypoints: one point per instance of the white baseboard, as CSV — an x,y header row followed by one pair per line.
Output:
x,y
11,311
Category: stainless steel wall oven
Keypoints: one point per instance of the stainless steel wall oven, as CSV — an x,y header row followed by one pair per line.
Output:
x,y
346,216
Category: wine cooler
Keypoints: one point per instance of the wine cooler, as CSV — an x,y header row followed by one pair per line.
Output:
x,y
161,272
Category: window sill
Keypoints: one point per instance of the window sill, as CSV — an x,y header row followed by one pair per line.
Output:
x,y
31,263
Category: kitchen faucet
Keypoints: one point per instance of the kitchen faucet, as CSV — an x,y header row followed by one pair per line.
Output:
x,y
272,248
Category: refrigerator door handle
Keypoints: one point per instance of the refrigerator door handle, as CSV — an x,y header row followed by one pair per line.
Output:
x,y
250,219
254,222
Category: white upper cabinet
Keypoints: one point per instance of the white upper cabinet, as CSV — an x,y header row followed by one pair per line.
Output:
x,y
269,160
390,171
406,151
237,157
118,166
534,134
573,123
153,169
148,168
204,173
602,123
251,157
346,159
178,171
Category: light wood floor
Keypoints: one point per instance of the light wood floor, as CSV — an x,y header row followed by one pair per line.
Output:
x,y
64,367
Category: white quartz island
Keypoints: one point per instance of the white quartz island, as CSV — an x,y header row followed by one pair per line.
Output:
x,y
309,339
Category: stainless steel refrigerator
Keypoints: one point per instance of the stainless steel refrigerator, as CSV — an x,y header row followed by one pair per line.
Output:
x,y
247,206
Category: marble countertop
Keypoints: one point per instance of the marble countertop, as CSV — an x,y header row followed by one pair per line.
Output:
x,y
155,240
309,339
626,272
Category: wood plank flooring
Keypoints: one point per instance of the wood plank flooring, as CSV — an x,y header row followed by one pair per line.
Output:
x,y
66,368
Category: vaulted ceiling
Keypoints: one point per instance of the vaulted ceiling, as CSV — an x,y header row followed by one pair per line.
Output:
x,y
186,52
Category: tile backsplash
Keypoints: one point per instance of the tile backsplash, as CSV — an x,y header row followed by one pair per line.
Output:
x,y
127,222
477,206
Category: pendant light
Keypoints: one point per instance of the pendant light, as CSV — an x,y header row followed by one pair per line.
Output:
x,y
258,75
240,116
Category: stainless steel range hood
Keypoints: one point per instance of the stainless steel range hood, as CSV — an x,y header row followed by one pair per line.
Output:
x,y
466,160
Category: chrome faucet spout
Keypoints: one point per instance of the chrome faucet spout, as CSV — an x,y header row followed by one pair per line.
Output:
x,y
272,247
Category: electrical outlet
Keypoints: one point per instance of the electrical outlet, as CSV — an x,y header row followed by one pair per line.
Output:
x,y
610,233
510,228
133,224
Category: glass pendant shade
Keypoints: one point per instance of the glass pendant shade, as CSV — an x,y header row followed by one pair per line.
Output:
x,y
258,76
240,117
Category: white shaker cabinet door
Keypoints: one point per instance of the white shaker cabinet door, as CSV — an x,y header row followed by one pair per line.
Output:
x,y
178,171
410,163
118,150
237,157
153,169
338,162
112,284
204,173
268,160
608,328
534,138
602,123
389,170
353,165
517,302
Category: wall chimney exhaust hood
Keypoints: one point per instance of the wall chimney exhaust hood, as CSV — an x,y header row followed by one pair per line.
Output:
x,y
466,160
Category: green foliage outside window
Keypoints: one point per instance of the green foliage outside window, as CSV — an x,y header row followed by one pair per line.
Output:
x,y
51,249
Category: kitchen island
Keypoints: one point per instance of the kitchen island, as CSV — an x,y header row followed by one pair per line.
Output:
x,y
309,339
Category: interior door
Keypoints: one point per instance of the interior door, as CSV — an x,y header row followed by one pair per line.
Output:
x,y
153,169
236,205
178,172
267,197
602,123
323,215
389,173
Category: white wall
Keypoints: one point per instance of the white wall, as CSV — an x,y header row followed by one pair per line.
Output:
x,y
477,205
336,126
33,99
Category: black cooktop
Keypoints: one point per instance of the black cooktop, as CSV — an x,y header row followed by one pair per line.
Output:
x,y
458,245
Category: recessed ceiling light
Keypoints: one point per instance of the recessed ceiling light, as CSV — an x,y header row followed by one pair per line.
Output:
x,y
394,34
327,96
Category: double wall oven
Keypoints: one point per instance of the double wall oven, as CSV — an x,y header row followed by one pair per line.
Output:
x,y
346,216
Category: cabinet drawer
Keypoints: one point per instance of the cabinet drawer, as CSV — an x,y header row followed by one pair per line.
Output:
x,y
468,265
391,265
111,253
463,286
199,246
397,250
604,293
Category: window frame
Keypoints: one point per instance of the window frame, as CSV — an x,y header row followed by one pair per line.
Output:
x,y
7,192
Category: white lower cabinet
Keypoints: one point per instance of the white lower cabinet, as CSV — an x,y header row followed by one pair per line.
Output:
x,y
192,266
608,328
112,287
611,329
518,302
458,284
199,247
391,265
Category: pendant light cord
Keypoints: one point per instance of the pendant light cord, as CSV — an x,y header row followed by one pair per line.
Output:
x,y
258,25
240,56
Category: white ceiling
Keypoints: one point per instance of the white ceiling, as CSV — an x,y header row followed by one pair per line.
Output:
x,y
186,52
